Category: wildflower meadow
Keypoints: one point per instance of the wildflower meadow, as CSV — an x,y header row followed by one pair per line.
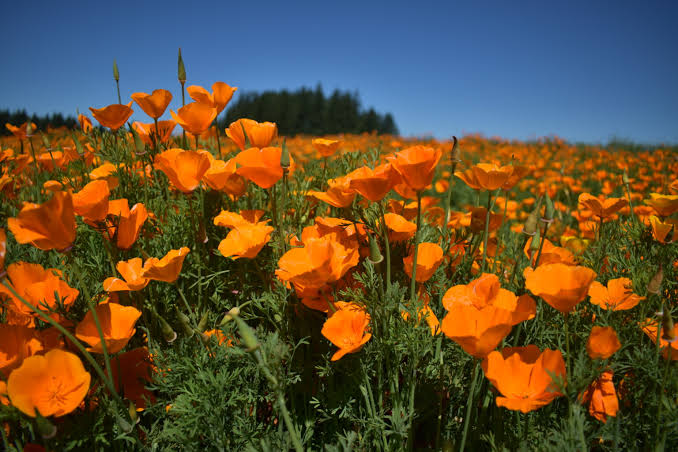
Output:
x,y
175,285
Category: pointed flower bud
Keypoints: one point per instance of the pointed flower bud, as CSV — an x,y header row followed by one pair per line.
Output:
x,y
375,253
285,157
655,284
549,211
247,334
455,151
181,69
668,328
116,73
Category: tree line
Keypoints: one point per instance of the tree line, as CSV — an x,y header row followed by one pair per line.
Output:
x,y
308,111
19,117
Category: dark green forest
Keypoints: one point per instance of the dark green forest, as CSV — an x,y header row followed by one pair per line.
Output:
x,y
308,111
19,117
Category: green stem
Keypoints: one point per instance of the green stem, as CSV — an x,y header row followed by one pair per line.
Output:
x,y
387,247
183,102
117,85
541,244
659,398
487,230
413,284
469,406
188,306
448,197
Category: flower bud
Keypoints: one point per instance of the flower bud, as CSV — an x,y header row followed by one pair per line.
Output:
x,y
247,334
375,254
185,322
668,328
549,211
202,325
181,69
454,156
536,239
285,157
45,141
116,73
530,227
655,284
625,178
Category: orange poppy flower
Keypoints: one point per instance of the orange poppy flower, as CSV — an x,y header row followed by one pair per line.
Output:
x,y
131,271
486,176
53,186
416,165
92,201
516,175
184,169
85,123
261,166
523,376
650,329
20,132
220,97
604,208
221,176
617,296
246,241
146,132
479,217
663,231
17,342
234,220
113,116
550,254
47,226
326,147
108,172
338,194
562,286
320,261
399,229
166,269
259,135
129,222
53,385
347,329
194,118
132,371
664,205
603,342
477,330
154,104
41,287
429,258
117,325
602,397
373,184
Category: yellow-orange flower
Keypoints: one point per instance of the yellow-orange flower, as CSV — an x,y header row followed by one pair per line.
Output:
x,y
562,286
194,118
347,329
416,165
113,116
603,342
154,104
326,147
166,269
604,208
117,325
523,376
220,97
131,271
429,258
602,397
617,296
47,226
373,184
486,176
184,169
259,135
53,385
92,201
664,205
261,166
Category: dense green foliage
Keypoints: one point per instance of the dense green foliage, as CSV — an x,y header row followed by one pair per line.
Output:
x,y
310,112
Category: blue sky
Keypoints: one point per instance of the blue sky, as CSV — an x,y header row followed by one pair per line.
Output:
x,y
586,71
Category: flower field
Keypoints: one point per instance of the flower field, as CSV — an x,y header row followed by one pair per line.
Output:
x,y
173,286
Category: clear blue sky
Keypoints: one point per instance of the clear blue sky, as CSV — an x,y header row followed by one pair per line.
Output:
x,y
583,70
